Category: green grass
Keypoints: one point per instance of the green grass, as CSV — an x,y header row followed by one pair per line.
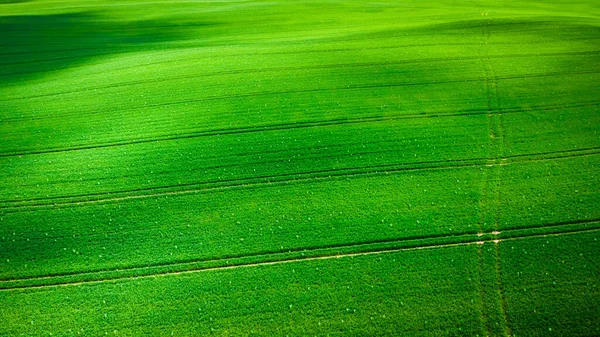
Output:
x,y
552,298
139,140
239,222
430,292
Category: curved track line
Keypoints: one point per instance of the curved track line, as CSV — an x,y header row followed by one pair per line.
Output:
x,y
477,241
305,249
288,68
311,90
265,255
484,316
496,147
250,182
346,87
246,130
299,177
291,126
442,113
487,190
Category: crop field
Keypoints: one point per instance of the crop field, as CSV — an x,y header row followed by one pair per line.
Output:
x,y
299,168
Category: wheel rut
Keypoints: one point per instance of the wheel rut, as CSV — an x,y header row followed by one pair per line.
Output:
x,y
491,194
12,206
333,252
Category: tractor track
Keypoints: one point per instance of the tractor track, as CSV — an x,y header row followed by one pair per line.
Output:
x,y
470,239
11,206
493,180
280,69
291,126
307,90
416,238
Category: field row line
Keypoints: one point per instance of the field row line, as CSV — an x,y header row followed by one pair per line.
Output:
x,y
216,48
254,94
295,178
239,71
285,68
210,50
298,125
565,225
234,183
298,255
11,206
352,35
309,90
295,52
493,181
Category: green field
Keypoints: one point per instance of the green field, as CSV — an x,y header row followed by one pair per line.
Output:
x,y
299,168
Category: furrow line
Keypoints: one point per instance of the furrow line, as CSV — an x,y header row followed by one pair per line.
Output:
x,y
326,172
347,87
205,187
310,90
294,52
500,284
289,68
543,107
253,129
290,126
268,53
562,227
484,316
479,239
252,182
493,198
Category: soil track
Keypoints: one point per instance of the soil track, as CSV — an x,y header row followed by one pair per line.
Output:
x,y
360,249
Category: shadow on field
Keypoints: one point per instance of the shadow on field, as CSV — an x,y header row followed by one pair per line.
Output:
x,y
516,29
545,26
32,45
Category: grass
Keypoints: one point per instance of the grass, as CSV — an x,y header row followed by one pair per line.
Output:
x,y
429,290
380,157
550,298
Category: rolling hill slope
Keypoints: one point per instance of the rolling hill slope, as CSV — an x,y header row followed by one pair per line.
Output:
x,y
299,168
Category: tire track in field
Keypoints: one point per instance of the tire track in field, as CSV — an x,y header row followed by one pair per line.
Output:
x,y
241,183
297,177
485,193
270,127
493,195
12,206
297,125
562,227
469,239
246,130
249,70
306,90
253,70
485,320
501,291
237,72
279,69
280,52
393,116
294,91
